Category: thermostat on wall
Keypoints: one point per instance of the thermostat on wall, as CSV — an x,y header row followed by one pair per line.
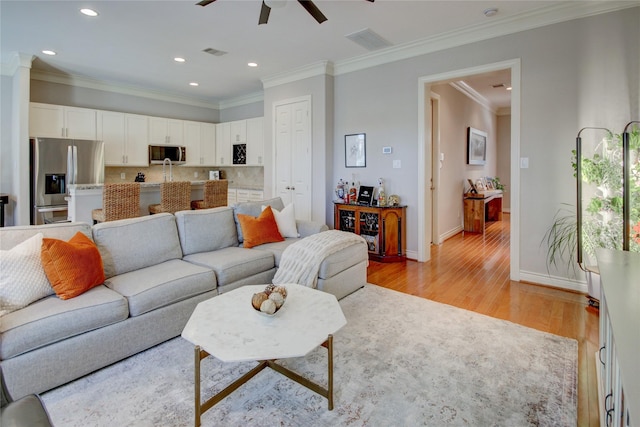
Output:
x,y
386,150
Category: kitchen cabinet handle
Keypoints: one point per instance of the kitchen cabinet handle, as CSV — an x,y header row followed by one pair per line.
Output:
x,y
600,355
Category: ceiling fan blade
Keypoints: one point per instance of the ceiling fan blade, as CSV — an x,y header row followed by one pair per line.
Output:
x,y
205,2
264,13
313,10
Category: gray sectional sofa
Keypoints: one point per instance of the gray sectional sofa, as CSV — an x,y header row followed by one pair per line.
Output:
x,y
157,269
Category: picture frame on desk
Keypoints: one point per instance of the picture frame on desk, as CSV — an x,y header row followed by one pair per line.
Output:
x,y
365,196
476,146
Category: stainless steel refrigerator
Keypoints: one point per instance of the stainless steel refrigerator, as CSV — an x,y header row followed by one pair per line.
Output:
x,y
55,165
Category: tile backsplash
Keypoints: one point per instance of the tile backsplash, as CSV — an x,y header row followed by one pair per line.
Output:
x,y
239,177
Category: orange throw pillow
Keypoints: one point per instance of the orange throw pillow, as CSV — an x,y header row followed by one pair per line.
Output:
x,y
260,230
72,267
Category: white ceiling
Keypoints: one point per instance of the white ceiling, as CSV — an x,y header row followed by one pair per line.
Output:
x,y
133,43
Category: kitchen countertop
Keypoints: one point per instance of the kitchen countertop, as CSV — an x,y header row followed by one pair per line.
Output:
x,y
157,184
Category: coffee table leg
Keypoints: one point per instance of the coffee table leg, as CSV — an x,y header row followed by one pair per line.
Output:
x,y
196,382
330,368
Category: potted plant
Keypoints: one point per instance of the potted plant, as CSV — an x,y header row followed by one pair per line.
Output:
x,y
601,217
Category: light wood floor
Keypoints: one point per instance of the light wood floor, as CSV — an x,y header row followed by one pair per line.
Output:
x,y
472,272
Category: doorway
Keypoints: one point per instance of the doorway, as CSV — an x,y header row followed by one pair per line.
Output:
x,y
429,156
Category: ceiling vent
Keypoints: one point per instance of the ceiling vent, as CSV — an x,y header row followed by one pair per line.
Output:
x,y
214,52
368,39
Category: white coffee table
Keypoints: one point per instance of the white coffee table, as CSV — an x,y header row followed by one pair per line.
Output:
x,y
229,329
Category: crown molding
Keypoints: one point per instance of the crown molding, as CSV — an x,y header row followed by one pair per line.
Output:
x,y
319,68
84,82
17,60
544,16
242,100
474,95
494,28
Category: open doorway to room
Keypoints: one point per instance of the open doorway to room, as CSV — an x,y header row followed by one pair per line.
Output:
x,y
440,202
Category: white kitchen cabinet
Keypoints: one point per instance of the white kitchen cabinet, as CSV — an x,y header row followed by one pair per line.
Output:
x,y
238,131
166,131
208,144
223,144
59,121
255,141
192,140
231,197
125,138
200,140
248,195
136,133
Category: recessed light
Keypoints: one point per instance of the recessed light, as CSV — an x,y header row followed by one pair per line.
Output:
x,y
492,11
194,84
178,59
252,64
89,12
49,52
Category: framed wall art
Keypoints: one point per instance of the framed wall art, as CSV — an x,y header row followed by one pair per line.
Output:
x,y
476,146
355,155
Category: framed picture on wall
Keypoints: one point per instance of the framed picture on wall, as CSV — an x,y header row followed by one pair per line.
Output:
x,y
476,146
355,155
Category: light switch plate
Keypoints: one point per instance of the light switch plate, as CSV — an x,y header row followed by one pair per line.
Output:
x,y
524,163
397,164
123,176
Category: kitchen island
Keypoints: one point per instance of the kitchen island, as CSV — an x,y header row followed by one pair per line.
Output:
x,y
83,198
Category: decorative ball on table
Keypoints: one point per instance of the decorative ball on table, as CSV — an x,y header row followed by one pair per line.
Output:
x,y
270,300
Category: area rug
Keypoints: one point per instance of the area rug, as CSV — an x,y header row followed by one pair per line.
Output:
x,y
400,361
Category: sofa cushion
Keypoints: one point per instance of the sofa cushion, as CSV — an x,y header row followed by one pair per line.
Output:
x,y
342,260
51,320
22,278
72,267
232,264
260,230
276,248
286,220
163,284
131,244
12,236
205,230
254,209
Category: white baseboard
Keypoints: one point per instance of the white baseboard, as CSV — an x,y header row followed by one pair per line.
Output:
x,y
450,233
556,282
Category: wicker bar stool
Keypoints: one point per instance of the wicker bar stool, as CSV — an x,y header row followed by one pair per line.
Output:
x,y
119,201
174,197
215,194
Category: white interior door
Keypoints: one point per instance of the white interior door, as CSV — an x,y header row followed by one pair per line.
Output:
x,y
293,156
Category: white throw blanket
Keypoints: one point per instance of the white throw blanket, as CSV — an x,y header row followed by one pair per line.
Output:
x,y
301,261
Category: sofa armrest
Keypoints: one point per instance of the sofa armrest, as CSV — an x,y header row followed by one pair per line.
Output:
x,y
307,228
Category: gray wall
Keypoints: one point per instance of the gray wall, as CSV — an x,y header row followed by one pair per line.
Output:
x,y
574,74
503,170
457,112
55,93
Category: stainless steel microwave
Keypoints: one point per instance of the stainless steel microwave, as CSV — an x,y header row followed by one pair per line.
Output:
x,y
176,153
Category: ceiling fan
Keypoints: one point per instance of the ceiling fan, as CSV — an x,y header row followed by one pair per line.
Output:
x,y
266,10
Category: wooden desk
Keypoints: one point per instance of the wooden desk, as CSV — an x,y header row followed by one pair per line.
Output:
x,y
480,208
381,226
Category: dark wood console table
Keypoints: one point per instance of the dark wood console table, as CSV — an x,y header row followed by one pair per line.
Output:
x,y
381,226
